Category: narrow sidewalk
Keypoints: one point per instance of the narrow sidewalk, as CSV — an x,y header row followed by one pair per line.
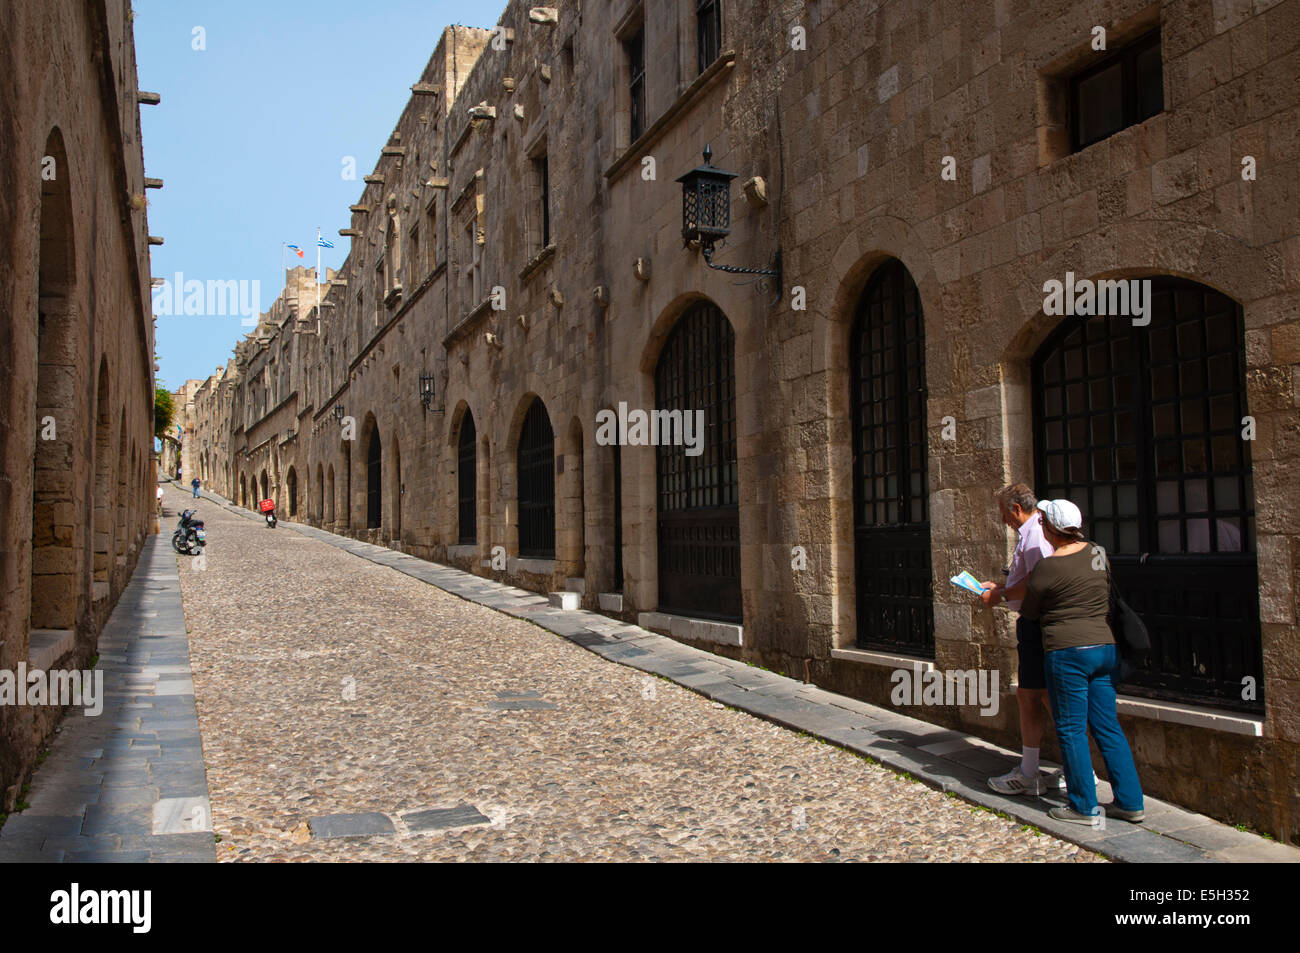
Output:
x,y
128,785
951,761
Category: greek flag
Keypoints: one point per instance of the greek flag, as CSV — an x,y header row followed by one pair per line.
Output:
x,y
322,243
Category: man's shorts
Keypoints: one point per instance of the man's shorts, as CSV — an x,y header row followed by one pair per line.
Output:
x,y
1029,648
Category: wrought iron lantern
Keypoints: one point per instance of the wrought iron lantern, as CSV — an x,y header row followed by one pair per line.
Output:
x,y
426,390
706,203
339,412
706,215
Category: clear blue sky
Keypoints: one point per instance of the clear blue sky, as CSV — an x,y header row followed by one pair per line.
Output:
x,y
252,131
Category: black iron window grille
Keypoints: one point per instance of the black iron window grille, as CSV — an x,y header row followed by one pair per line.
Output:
x,y
698,496
467,481
536,465
895,606
1141,426
1122,90
708,31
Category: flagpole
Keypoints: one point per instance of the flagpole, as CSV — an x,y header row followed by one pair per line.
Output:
x,y
317,279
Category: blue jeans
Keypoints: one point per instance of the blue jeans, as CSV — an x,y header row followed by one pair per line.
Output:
x,y
1082,691
196,493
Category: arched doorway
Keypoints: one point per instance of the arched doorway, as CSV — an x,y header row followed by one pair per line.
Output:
x,y
291,485
891,519
374,481
467,482
320,491
535,471
243,491
265,486
698,494
1141,426
57,543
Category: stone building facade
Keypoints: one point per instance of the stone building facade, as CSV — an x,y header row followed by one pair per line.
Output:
x,y
928,174
76,346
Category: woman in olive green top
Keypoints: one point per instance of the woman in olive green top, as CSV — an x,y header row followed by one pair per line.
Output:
x,y
1069,596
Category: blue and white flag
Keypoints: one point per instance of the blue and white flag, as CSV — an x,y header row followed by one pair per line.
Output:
x,y
323,243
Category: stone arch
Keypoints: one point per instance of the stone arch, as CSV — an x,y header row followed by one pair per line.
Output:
x,y
291,491
57,549
263,486
862,251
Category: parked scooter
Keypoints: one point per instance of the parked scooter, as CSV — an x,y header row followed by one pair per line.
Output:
x,y
189,538
268,511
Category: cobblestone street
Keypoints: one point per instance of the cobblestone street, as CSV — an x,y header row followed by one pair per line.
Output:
x,y
328,685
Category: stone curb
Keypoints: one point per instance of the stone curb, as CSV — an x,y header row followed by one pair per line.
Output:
x,y
949,761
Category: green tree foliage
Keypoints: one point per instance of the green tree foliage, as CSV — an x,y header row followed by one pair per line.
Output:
x,y
163,412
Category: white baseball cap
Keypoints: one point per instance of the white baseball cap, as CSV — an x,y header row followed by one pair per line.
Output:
x,y
1061,513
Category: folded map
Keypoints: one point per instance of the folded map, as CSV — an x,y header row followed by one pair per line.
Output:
x,y
967,581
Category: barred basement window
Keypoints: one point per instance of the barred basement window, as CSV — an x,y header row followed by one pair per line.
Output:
x,y
467,481
1124,89
708,26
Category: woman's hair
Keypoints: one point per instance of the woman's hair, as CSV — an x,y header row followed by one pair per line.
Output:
x,y
1075,534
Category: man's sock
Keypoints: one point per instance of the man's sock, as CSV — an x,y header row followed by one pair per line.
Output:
x,y
1028,761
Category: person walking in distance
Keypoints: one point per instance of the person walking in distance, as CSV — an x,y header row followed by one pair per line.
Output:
x,y
196,484
1018,508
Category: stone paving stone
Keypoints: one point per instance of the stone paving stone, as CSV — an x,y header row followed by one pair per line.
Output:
x,y
441,819
351,825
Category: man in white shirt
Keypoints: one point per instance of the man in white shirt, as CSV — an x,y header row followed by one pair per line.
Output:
x,y
1019,510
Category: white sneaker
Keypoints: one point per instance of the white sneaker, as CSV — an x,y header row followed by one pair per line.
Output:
x,y
1015,782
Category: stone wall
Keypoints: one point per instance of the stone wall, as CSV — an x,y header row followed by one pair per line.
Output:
x,y
839,120
76,345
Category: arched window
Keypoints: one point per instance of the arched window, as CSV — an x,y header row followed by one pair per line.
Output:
x,y
698,492
467,481
891,520
536,474
1141,426
374,482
